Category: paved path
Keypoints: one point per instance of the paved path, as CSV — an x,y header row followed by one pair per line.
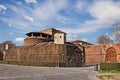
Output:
x,y
14,72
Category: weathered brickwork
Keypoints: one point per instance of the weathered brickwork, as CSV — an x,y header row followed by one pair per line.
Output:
x,y
92,53
65,53
33,41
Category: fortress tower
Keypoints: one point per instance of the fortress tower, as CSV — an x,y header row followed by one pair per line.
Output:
x,y
48,35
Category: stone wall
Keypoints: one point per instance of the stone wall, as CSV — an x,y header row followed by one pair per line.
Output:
x,y
33,41
70,55
92,53
1,55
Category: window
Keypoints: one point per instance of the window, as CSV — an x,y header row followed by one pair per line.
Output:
x,y
60,36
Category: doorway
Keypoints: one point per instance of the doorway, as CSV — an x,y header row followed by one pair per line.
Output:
x,y
111,55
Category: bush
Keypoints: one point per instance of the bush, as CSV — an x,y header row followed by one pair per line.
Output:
x,y
26,63
110,66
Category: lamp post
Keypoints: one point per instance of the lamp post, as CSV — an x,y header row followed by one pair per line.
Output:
x,y
100,55
82,59
59,60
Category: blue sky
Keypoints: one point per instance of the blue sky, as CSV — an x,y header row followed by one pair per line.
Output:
x,y
80,19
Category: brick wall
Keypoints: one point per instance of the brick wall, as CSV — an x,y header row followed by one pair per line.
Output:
x,y
92,53
68,54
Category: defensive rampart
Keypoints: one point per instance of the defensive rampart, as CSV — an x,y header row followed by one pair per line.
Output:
x,y
68,54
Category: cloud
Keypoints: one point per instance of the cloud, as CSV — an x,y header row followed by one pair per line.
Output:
x,y
57,13
63,19
49,10
102,16
81,6
84,40
31,1
40,15
2,7
71,37
110,10
10,24
107,14
11,33
20,39
31,19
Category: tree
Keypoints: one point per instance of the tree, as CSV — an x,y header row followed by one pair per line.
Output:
x,y
104,39
116,31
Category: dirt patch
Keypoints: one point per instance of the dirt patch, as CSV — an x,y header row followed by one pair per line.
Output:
x,y
115,76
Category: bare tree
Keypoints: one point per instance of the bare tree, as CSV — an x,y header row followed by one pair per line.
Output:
x,y
104,39
116,31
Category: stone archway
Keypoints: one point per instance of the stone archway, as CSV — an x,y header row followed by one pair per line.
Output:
x,y
111,55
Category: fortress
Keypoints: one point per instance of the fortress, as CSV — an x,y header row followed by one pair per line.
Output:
x,y
47,46
50,46
48,35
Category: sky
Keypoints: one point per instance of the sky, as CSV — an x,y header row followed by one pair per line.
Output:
x,y
81,19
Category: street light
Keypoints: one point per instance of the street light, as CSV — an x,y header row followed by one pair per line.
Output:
x,y
100,49
59,60
82,58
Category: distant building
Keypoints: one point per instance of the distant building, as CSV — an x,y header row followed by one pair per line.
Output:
x,y
5,46
82,43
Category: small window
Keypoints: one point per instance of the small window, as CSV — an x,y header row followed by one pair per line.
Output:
x,y
60,36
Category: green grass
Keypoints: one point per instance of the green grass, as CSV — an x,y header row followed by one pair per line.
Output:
x,y
26,63
110,71
110,67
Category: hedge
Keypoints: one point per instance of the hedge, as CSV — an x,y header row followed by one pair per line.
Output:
x,y
109,66
25,63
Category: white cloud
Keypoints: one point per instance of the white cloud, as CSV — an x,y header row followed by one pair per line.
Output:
x,y
109,11
20,39
40,15
104,13
71,37
11,33
49,10
2,7
10,24
81,6
84,40
63,19
31,1
31,19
